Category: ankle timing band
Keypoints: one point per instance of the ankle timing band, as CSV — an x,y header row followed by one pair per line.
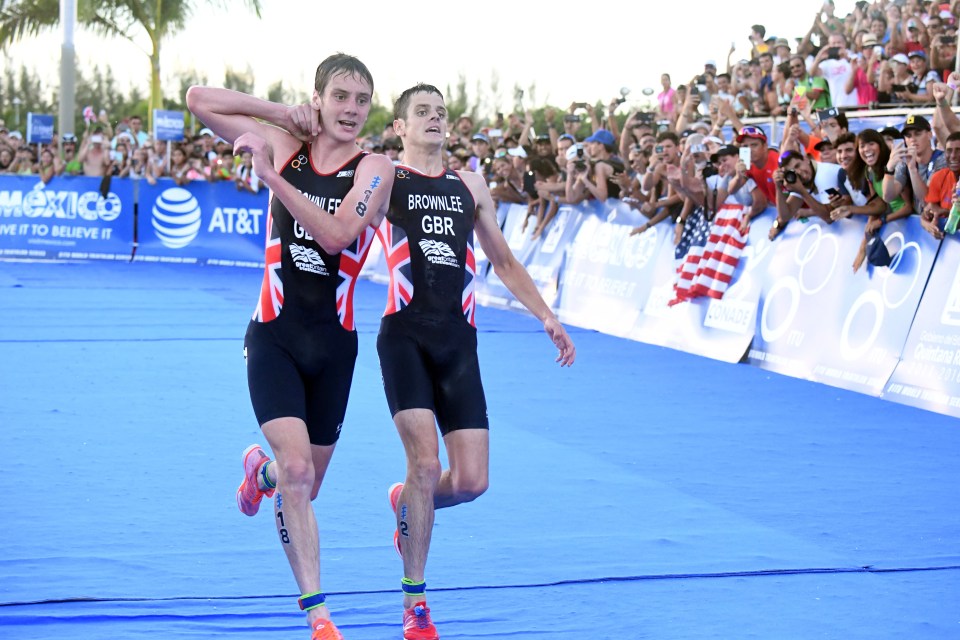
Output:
x,y
311,601
265,476
412,588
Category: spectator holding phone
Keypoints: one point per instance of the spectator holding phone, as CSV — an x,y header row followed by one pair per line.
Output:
x,y
942,191
813,88
600,182
763,160
833,62
893,79
922,79
67,163
943,55
866,176
911,165
806,188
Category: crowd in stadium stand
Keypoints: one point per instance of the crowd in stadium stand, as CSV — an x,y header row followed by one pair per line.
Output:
x,y
690,158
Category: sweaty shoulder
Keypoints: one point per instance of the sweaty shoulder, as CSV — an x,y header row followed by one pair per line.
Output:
x,y
473,180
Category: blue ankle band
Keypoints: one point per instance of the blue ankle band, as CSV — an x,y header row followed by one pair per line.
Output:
x,y
311,601
265,476
412,588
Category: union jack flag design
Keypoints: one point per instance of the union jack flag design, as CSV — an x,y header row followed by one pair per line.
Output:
x,y
270,300
469,280
351,261
396,251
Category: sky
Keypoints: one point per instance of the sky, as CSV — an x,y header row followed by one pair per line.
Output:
x,y
566,56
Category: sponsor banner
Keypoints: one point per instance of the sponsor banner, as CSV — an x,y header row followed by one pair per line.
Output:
x,y
928,375
820,321
168,125
66,219
39,128
202,222
490,291
721,329
549,251
608,273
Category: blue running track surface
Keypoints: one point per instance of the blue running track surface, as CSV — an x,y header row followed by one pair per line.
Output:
x,y
644,493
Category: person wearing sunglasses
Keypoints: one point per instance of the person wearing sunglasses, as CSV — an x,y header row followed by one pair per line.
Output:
x,y
806,188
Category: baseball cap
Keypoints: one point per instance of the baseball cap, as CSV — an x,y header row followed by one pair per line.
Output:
x,y
517,151
572,151
892,132
710,63
918,53
16,134
726,150
823,143
567,136
902,59
68,137
602,136
206,132
915,123
480,137
543,137
751,132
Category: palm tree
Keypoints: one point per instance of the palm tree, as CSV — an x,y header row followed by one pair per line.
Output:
x,y
129,19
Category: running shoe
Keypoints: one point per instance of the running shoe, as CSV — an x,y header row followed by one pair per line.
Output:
x,y
325,630
394,494
249,494
417,624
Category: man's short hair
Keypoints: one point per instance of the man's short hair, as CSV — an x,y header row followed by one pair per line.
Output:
x,y
403,102
950,138
668,135
337,64
723,75
844,138
759,28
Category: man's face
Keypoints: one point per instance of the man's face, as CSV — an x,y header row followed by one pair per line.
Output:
x,y
481,148
844,154
454,163
803,168
543,148
918,65
724,84
830,129
828,154
648,142
135,125
758,150
670,151
465,126
878,28
953,155
766,64
594,149
728,164
783,52
836,40
797,68
344,106
919,139
562,146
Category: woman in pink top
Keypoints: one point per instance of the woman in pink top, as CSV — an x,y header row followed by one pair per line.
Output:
x,y
665,97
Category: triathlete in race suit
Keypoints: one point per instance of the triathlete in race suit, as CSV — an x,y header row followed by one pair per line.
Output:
x,y
301,344
428,338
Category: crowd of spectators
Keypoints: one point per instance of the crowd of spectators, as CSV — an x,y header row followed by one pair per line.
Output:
x,y
669,160
127,151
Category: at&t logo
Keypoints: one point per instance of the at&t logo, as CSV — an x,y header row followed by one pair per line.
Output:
x,y
176,218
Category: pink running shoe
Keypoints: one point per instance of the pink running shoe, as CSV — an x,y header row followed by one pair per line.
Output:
x,y
394,494
325,630
249,494
417,624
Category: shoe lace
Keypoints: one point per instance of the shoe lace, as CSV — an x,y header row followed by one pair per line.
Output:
x,y
422,616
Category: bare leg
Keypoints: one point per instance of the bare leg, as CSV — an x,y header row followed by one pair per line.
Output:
x,y
299,468
468,451
415,509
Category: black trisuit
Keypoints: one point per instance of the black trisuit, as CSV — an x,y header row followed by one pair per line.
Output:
x,y
428,337
301,345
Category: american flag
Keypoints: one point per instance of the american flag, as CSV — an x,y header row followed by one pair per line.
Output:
x,y
351,261
696,229
721,255
396,251
271,291
469,280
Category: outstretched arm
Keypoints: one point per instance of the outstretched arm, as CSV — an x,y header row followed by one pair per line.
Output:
x,y
366,202
511,272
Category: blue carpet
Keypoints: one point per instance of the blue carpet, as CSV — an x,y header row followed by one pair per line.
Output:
x,y
644,493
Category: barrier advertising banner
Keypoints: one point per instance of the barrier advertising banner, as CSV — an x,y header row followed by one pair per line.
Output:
x,y
490,290
608,273
721,329
39,128
202,222
168,125
821,322
928,375
66,218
